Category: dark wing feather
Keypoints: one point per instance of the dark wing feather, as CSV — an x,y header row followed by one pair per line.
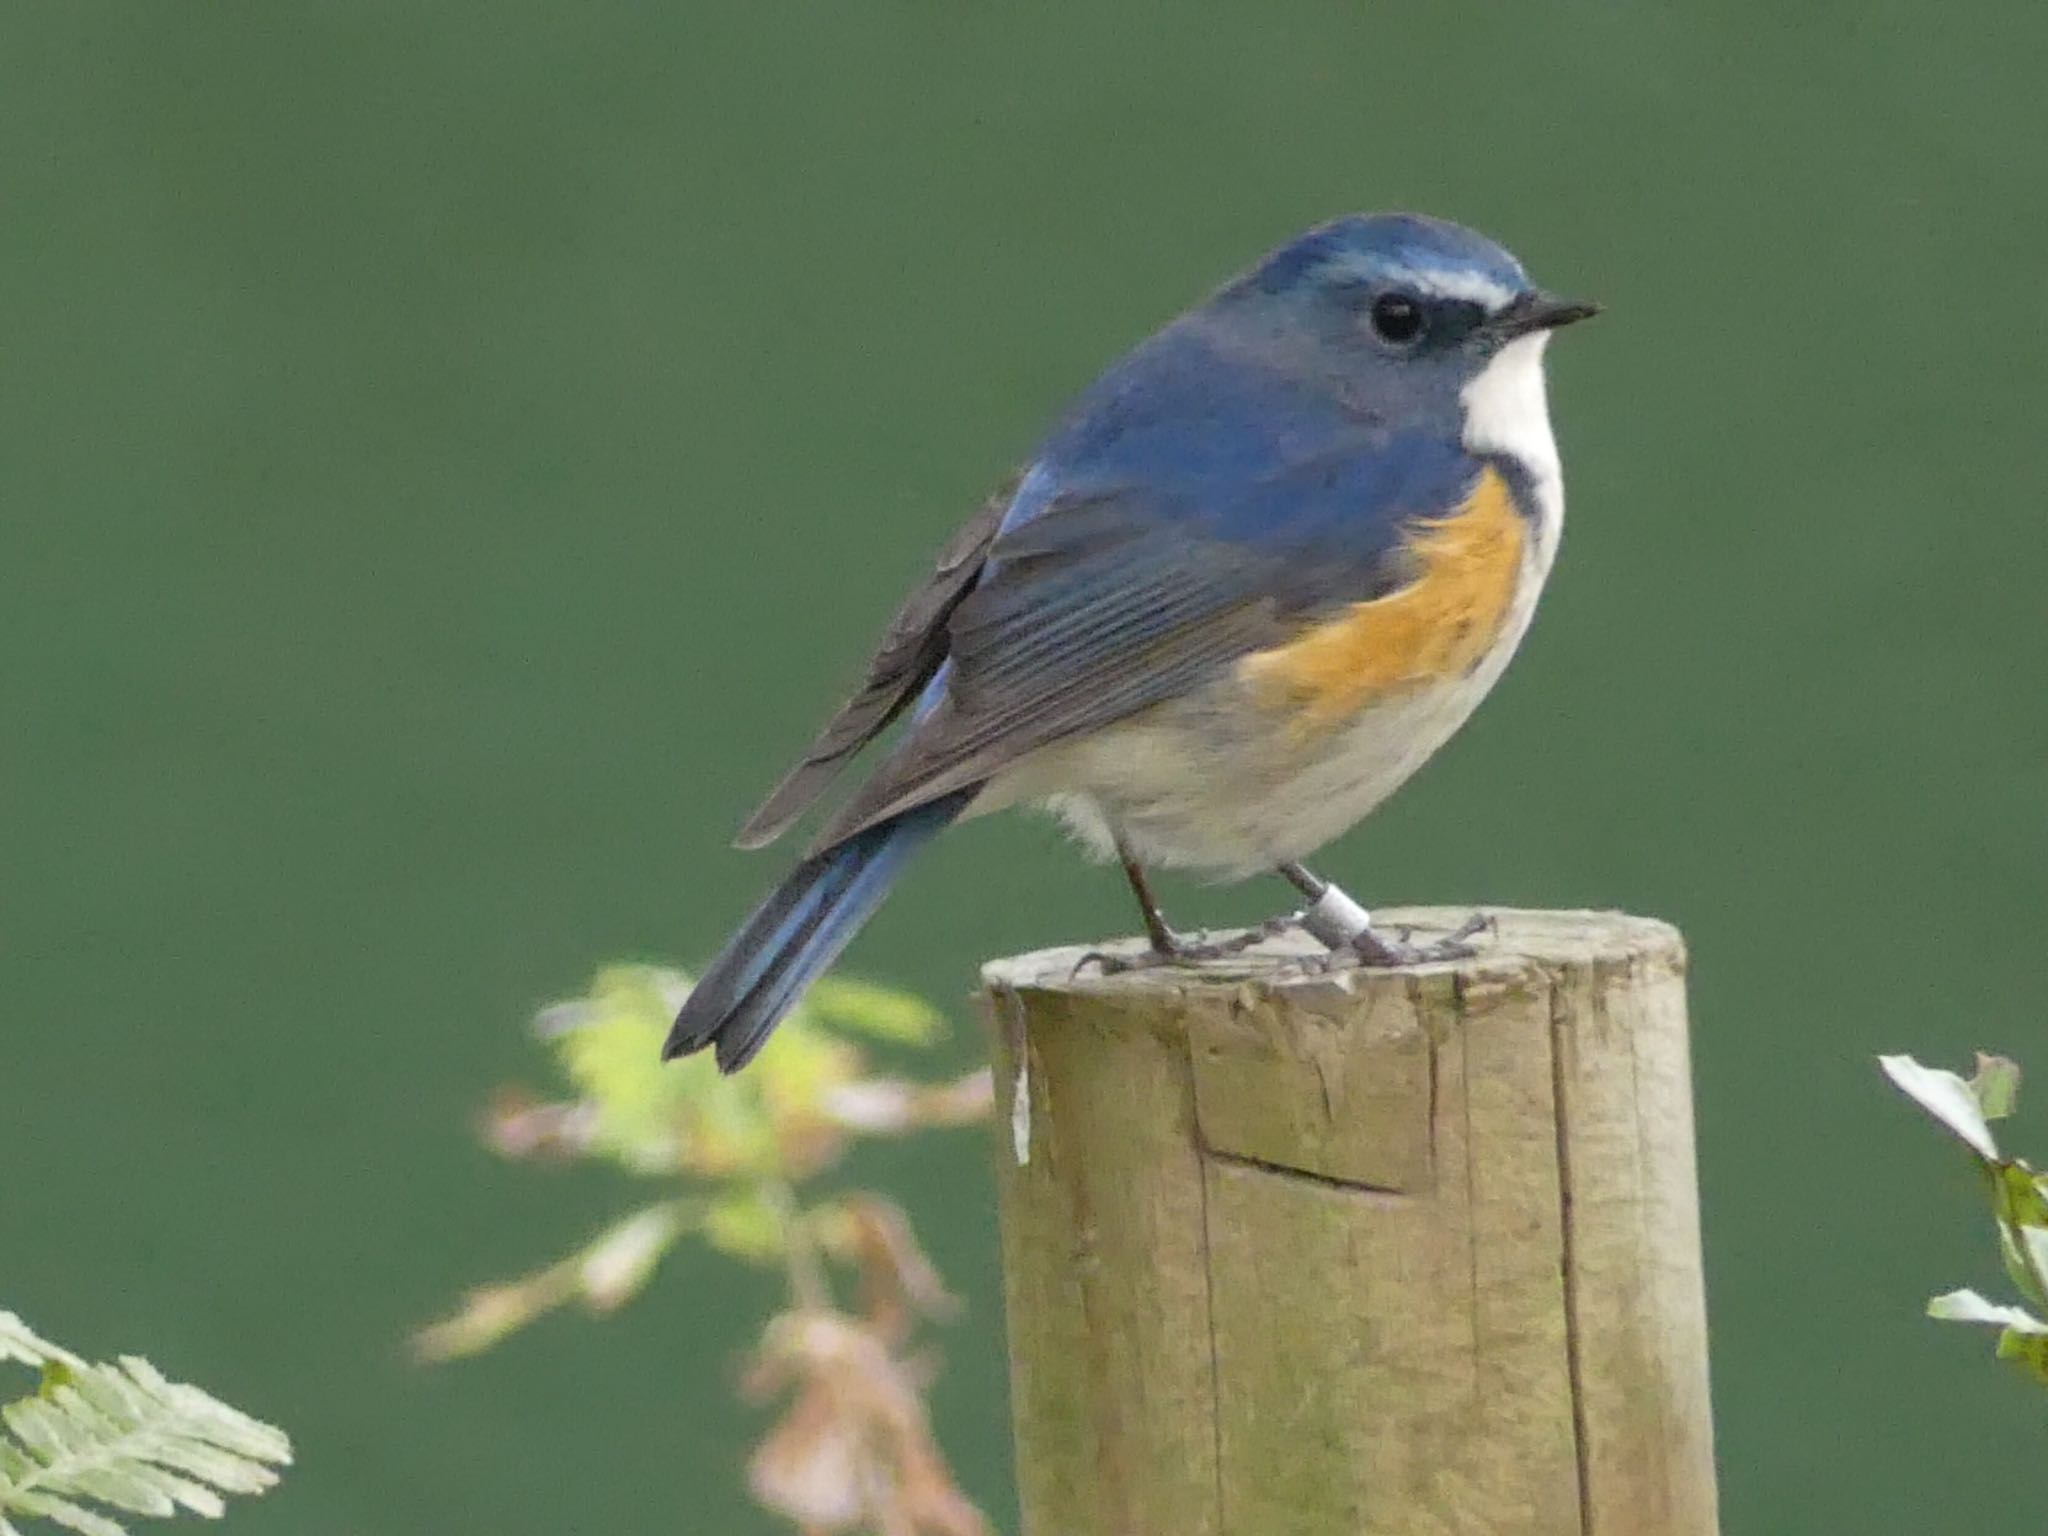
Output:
x,y
1097,608
911,651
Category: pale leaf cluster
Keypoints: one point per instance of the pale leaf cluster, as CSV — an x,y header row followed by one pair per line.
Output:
x,y
1966,1108
93,1438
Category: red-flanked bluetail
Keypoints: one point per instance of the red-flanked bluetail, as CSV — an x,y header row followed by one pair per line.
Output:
x,y
1264,567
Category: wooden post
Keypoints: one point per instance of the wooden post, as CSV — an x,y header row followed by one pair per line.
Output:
x,y
1400,1253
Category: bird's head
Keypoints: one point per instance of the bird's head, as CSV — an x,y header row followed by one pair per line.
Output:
x,y
1406,314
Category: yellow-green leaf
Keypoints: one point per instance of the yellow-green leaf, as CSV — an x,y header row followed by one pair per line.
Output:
x,y
880,1013
747,1226
1996,1084
611,1055
2027,1349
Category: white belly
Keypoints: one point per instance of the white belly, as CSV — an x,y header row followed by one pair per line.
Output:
x,y
1216,783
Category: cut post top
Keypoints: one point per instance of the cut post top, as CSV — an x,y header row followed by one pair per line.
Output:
x,y
1299,1250
1291,962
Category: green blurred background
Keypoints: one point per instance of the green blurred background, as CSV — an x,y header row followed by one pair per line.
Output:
x,y
452,454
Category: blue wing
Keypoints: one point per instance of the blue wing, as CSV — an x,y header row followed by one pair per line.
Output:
x,y
1193,509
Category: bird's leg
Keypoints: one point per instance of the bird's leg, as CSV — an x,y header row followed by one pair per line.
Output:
x,y
1165,941
1167,947
1346,928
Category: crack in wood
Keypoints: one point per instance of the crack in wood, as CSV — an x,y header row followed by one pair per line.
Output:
x,y
1354,1187
1209,1296
1567,1258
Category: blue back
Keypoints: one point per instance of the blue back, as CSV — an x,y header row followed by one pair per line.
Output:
x,y
1240,457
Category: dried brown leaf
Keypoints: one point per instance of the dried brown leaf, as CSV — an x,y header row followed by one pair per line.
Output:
x,y
855,1447
898,1282
518,1125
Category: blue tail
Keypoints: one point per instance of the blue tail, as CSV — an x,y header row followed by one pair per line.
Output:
x,y
798,932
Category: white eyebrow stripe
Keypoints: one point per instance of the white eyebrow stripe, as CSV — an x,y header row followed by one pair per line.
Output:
x,y
1472,286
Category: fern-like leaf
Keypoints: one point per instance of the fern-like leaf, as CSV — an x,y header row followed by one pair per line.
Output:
x,y
121,1437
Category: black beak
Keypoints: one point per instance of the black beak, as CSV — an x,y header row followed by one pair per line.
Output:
x,y
1539,311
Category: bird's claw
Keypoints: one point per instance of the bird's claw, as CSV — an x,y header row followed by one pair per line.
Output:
x,y
1371,948
1122,965
1181,951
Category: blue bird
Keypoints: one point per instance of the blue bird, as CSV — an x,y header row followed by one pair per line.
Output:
x,y
1264,567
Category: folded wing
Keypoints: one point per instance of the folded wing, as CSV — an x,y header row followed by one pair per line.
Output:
x,y
912,649
1107,601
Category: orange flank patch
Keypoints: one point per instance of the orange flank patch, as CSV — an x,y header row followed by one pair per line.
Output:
x,y
1439,626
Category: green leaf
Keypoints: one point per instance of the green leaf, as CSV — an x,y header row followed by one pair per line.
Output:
x,y
2019,1195
2025,1252
2027,1349
122,1436
747,1226
649,1117
1947,1098
730,1128
609,1052
2019,1204
880,1013
1996,1085
800,1068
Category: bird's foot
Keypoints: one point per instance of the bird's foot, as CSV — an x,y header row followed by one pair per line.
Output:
x,y
1181,950
1369,947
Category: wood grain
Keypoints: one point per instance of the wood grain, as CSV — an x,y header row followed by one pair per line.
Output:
x,y
1365,1253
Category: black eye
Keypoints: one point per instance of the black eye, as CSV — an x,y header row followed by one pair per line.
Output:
x,y
1397,318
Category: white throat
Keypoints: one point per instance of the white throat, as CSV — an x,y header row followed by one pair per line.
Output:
x,y
1507,412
